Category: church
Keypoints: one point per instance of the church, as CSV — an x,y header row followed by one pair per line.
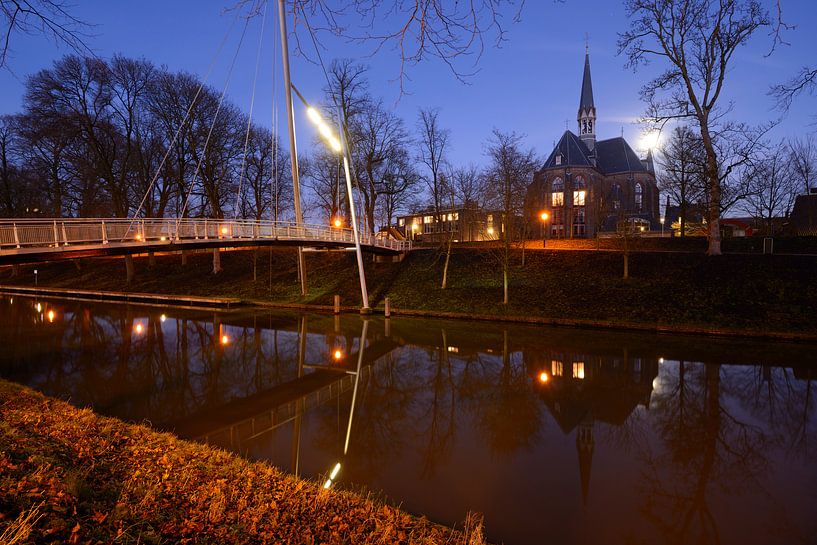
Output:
x,y
588,186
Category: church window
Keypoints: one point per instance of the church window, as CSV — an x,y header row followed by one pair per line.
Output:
x,y
558,192
558,159
556,368
616,194
590,126
639,197
579,192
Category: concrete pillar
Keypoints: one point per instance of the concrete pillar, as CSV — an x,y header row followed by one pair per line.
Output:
x,y
216,261
129,271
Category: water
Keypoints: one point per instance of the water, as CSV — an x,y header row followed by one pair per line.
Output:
x,y
554,435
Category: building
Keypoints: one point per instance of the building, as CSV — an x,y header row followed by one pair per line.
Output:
x,y
466,223
803,218
587,186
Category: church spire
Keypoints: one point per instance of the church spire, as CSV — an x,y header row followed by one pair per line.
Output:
x,y
587,108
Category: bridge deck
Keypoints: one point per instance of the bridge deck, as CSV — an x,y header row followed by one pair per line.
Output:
x,y
27,240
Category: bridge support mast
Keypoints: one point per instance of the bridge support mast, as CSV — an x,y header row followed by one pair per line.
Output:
x,y
293,150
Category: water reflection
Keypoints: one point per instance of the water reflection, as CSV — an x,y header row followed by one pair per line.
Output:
x,y
562,436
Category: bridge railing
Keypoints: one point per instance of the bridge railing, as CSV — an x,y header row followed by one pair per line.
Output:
x,y
59,232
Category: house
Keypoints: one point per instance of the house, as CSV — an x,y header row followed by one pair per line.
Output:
x,y
803,218
587,186
465,223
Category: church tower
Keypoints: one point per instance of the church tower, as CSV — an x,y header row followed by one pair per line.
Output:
x,y
587,109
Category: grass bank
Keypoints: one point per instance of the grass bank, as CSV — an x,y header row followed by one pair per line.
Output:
x,y
746,294
68,475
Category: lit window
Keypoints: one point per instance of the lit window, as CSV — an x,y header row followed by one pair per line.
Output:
x,y
558,199
456,215
401,222
428,219
578,197
578,369
558,159
556,368
450,217
639,197
490,218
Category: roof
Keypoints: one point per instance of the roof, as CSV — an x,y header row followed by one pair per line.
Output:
x,y
586,101
803,216
574,152
615,155
611,156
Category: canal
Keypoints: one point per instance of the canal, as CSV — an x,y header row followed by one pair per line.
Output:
x,y
554,435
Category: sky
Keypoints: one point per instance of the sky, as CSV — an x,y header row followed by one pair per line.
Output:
x,y
530,84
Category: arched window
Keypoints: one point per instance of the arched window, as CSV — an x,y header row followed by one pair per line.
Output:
x,y
639,197
579,191
616,196
557,190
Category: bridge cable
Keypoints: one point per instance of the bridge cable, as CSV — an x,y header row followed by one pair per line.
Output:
x,y
249,117
181,125
212,125
337,106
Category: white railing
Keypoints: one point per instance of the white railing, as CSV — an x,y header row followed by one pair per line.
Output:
x,y
58,233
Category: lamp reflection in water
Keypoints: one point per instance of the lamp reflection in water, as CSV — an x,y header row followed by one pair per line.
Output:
x,y
51,316
333,475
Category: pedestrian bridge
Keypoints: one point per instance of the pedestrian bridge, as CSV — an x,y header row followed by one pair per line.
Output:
x,y
37,240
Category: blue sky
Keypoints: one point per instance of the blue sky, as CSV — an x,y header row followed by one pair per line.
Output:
x,y
530,84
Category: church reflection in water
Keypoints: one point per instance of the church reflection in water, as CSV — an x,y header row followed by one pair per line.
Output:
x,y
681,439
582,389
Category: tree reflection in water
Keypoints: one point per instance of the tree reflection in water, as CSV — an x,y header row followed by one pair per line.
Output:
x,y
592,435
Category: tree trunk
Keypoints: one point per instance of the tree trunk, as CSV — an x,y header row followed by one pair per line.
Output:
x,y
714,211
216,261
129,271
447,259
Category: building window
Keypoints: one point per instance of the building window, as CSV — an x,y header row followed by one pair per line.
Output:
x,y
556,368
557,189
578,369
579,197
401,222
616,194
428,219
639,197
490,218
558,159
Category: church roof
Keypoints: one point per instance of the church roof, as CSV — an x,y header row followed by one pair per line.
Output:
x,y
615,155
586,101
574,152
611,156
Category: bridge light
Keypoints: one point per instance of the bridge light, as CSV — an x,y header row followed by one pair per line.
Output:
x,y
163,239
162,318
543,377
337,354
223,230
39,307
490,230
138,328
338,223
138,236
225,340
51,316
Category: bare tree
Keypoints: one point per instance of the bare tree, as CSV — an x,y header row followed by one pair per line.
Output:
x,y
771,187
468,184
805,81
510,170
697,40
803,161
680,175
52,18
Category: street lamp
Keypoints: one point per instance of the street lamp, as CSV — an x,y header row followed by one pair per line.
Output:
x,y
663,218
544,216
338,146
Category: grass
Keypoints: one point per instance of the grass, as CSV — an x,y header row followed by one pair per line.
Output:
x,y
742,293
68,475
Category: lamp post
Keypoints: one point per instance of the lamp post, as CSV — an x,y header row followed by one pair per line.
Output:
x,y
663,218
544,216
340,146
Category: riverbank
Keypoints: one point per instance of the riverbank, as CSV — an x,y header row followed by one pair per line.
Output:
x,y
68,475
755,295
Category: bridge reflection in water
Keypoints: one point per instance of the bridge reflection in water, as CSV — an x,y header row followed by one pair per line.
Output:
x,y
553,434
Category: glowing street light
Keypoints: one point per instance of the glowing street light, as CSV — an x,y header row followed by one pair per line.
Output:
x,y
544,216
162,318
338,223
337,354
138,328
225,340
543,377
51,316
